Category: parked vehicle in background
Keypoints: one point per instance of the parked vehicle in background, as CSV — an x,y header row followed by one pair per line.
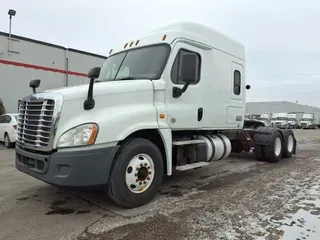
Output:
x,y
310,121
292,120
279,120
265,118
8,129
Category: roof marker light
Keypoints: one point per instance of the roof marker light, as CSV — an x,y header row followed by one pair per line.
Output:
x,y
125,45
137,42
164,37
131,44
110,51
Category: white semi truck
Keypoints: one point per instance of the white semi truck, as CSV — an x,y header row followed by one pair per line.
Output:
x,y
173,100
279,120
292,120
310,121
265,118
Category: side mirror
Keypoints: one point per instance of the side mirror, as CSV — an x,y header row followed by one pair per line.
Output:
x,y
188,70
34,84
94,72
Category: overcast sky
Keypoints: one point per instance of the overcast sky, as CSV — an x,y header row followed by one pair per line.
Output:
x,y
282,38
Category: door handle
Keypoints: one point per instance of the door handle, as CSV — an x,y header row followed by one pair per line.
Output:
x,y
200,114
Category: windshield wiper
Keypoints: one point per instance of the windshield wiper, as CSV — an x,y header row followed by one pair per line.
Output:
x,y
131,78
126,78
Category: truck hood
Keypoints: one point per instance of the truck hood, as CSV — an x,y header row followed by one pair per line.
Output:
x,y
101,88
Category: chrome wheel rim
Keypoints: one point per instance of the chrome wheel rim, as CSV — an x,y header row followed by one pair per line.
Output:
x,y
140,173
277,146
290,143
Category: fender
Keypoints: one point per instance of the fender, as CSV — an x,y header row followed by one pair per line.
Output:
x,y
117,115
263,135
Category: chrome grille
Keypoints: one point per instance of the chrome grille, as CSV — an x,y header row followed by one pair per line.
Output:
x,y
35,122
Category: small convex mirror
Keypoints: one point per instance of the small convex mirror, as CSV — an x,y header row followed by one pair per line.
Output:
x,y
94,72
34,84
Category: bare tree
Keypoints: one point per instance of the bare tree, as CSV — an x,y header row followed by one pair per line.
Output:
x,y
2,108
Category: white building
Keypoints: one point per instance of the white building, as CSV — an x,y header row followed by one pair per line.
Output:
x,y
255,109
29,59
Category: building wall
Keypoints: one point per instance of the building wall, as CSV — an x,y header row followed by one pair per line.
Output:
x,y
30,59
277,107
79,62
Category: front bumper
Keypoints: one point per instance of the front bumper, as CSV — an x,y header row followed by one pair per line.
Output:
x,y
83,168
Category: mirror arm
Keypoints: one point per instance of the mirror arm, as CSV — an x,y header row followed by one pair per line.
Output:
x,y
185,87
89,102
177,92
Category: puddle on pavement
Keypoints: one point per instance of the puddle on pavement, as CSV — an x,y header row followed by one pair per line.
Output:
x,y
304,224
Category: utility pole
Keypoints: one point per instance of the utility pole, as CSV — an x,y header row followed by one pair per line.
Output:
x,y
11,14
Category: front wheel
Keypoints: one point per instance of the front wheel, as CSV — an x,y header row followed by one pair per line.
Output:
x,y
7,141
136,174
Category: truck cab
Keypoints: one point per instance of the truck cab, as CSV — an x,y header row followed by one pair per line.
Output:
x,y
292,120
307,121
172,100
265,118
279,120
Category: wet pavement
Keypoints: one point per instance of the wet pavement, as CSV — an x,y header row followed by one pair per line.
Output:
x,y
236,198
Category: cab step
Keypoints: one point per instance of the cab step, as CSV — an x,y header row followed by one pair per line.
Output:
x,y
191,166
188,142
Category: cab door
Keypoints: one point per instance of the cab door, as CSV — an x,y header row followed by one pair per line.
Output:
x,y
184,111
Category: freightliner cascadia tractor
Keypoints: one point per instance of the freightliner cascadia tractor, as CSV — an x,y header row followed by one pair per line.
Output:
x,y
173,100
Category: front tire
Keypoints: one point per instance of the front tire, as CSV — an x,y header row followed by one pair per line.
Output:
x,y
7,141
136,174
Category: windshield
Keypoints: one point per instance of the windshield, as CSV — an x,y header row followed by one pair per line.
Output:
x,y
305,119
141,63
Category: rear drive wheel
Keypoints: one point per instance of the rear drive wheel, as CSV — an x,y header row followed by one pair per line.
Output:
x,y
136,174
288,145
7,141
273,152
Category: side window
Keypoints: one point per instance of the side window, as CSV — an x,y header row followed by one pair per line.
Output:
x,y
1,119
175,77
236,82
7,119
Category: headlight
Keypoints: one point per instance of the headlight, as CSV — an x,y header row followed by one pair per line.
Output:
x,y
79,136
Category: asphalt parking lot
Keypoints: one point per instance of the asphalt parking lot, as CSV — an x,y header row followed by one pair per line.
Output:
x,y
236,198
